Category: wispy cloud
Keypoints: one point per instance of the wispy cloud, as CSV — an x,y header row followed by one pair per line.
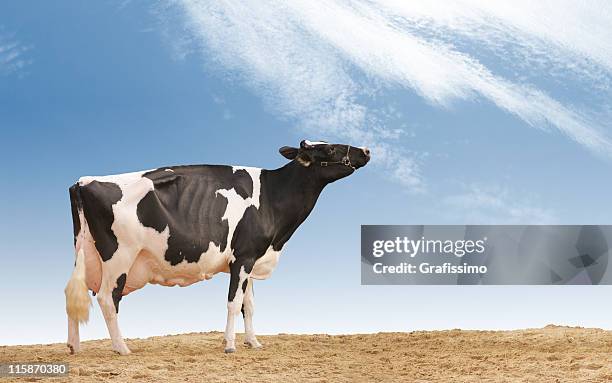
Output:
x,y
481,204
321,63
11,54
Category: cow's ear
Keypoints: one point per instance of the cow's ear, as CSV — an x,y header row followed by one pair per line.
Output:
x,y
288,152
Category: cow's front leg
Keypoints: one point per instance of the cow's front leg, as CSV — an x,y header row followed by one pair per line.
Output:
x,y
239,276
248,309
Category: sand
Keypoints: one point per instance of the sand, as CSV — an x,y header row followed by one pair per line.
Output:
x,y
551,354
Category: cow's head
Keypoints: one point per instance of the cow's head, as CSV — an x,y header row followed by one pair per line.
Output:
x,y
330,161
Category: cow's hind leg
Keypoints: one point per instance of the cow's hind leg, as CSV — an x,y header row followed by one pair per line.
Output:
x,y
113,282
74,343
239,276
248,309
77,302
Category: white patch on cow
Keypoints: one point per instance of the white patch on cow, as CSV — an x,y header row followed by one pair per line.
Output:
x,y
213,261
150,265
236,205
122,180
131,234
312,143
231,258
233,308
266,264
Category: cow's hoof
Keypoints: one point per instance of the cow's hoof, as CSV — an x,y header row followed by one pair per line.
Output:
x,y
230,350
253,344
73,348
122,350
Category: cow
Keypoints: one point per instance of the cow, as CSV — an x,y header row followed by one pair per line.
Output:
x,y
179,225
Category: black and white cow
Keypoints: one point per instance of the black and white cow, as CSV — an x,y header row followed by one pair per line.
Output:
x,y
182,224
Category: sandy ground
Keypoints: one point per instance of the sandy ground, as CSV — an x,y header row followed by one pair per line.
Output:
x,y
551,354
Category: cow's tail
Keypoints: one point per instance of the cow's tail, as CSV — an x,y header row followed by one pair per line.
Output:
x,y
77,295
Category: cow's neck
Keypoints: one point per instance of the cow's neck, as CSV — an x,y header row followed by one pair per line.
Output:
x,y
292,192
294,189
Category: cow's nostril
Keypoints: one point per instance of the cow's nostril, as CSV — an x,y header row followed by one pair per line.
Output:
x,y
366,151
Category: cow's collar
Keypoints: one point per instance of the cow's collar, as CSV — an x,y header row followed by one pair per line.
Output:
x,y
346,160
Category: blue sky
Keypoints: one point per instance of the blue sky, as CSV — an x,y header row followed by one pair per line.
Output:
x,y
475,112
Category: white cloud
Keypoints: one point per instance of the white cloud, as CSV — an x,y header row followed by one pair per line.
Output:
x,y
555,28
11,54
299,76
480,204
320,63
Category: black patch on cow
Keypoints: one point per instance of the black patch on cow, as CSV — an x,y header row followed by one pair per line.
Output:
x,y
161,176
118,291
149,214
240,180
98,200
243,183
185,200
242,308
245,262
75,206
254,232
